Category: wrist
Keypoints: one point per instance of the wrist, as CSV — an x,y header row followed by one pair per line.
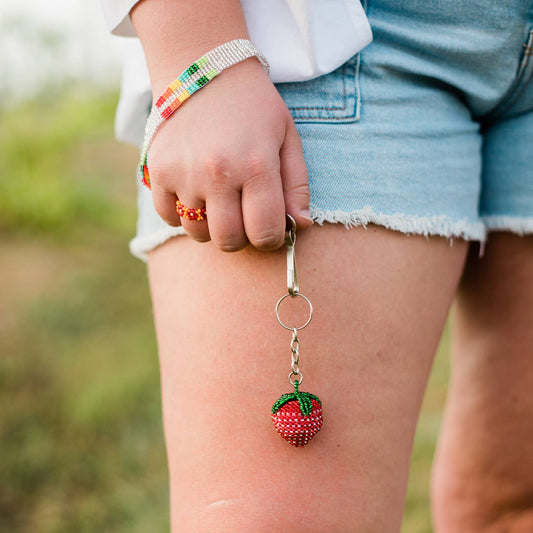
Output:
x,y
174,33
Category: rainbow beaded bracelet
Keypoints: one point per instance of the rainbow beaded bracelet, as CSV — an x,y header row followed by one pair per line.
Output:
x,y
193,78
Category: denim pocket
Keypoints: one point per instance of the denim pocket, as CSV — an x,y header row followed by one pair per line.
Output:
x,y
333,97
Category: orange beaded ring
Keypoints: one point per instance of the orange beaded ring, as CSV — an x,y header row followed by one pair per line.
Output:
x,y
190,214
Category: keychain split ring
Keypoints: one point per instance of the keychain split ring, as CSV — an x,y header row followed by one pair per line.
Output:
x,y
294,295
295,375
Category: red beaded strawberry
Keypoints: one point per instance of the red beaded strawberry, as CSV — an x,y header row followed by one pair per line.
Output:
x,y
297,416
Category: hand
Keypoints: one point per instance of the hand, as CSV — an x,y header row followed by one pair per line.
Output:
x,y
234,148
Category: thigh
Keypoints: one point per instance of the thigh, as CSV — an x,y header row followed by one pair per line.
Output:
x,y
381,299
484,478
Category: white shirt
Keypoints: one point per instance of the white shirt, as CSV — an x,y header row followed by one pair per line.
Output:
x,y
301,39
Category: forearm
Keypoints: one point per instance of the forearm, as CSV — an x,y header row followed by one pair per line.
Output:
x,y
176,32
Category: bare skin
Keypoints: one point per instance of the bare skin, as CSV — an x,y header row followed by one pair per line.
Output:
x,y
381,301
483,474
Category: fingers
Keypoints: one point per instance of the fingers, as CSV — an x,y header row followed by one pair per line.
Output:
x,y
263,206
247,184
165,204
196,229
294,178
225,220
255,215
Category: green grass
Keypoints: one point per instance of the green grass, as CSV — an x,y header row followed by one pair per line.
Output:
x,y
81,434
81,440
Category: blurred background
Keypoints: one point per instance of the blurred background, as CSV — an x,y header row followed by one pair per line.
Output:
x,y
81,439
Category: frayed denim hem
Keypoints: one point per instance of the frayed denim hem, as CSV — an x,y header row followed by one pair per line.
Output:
x,y
141,245
517,225
408,224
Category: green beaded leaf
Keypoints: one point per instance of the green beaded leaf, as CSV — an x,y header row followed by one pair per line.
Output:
x,y
305,403
286,398
313,397
303,398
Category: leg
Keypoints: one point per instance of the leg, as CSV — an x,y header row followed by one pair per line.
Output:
x,y
483,474
380,299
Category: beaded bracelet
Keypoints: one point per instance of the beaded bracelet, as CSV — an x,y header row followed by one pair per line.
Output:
x,y
193,78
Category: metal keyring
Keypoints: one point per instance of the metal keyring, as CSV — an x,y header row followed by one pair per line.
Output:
x,y
294,295
299,374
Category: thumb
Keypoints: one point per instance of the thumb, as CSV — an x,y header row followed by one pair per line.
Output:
x,y
294,177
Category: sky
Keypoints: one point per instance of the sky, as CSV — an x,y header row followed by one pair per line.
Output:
x,y
54,40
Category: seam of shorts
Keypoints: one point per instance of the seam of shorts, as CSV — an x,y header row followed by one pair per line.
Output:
x,y
516,89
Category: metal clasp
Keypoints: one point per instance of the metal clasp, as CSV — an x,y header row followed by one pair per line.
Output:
x,y
290,240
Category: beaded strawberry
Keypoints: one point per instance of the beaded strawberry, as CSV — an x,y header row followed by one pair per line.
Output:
x,y
297,416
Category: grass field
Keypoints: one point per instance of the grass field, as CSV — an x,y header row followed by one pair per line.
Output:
x,y
81,442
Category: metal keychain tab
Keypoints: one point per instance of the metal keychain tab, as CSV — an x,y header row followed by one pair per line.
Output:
x,y
292,273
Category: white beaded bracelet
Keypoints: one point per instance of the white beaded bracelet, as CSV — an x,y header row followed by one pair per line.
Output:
x,y
193,78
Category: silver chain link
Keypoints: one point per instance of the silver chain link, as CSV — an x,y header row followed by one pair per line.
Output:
x,y
295,374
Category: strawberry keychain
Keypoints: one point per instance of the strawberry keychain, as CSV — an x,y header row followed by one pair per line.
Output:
x,y
297,416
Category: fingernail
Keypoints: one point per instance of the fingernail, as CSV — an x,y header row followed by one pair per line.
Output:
x,y
304,213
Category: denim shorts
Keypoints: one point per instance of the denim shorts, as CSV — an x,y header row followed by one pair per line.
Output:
x,y
428,130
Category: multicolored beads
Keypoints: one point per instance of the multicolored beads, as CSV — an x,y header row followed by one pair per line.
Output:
x,y
193,78
190,214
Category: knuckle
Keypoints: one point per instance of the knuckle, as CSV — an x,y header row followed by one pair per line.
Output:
x,y
171,222
231,241
258,165
196,231
224,174
227,247
199,237
258,174
217,167
299,190
267,240
165,213
168,217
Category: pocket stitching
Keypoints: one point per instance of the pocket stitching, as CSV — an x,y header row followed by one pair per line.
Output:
x,y
329,107
353,65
